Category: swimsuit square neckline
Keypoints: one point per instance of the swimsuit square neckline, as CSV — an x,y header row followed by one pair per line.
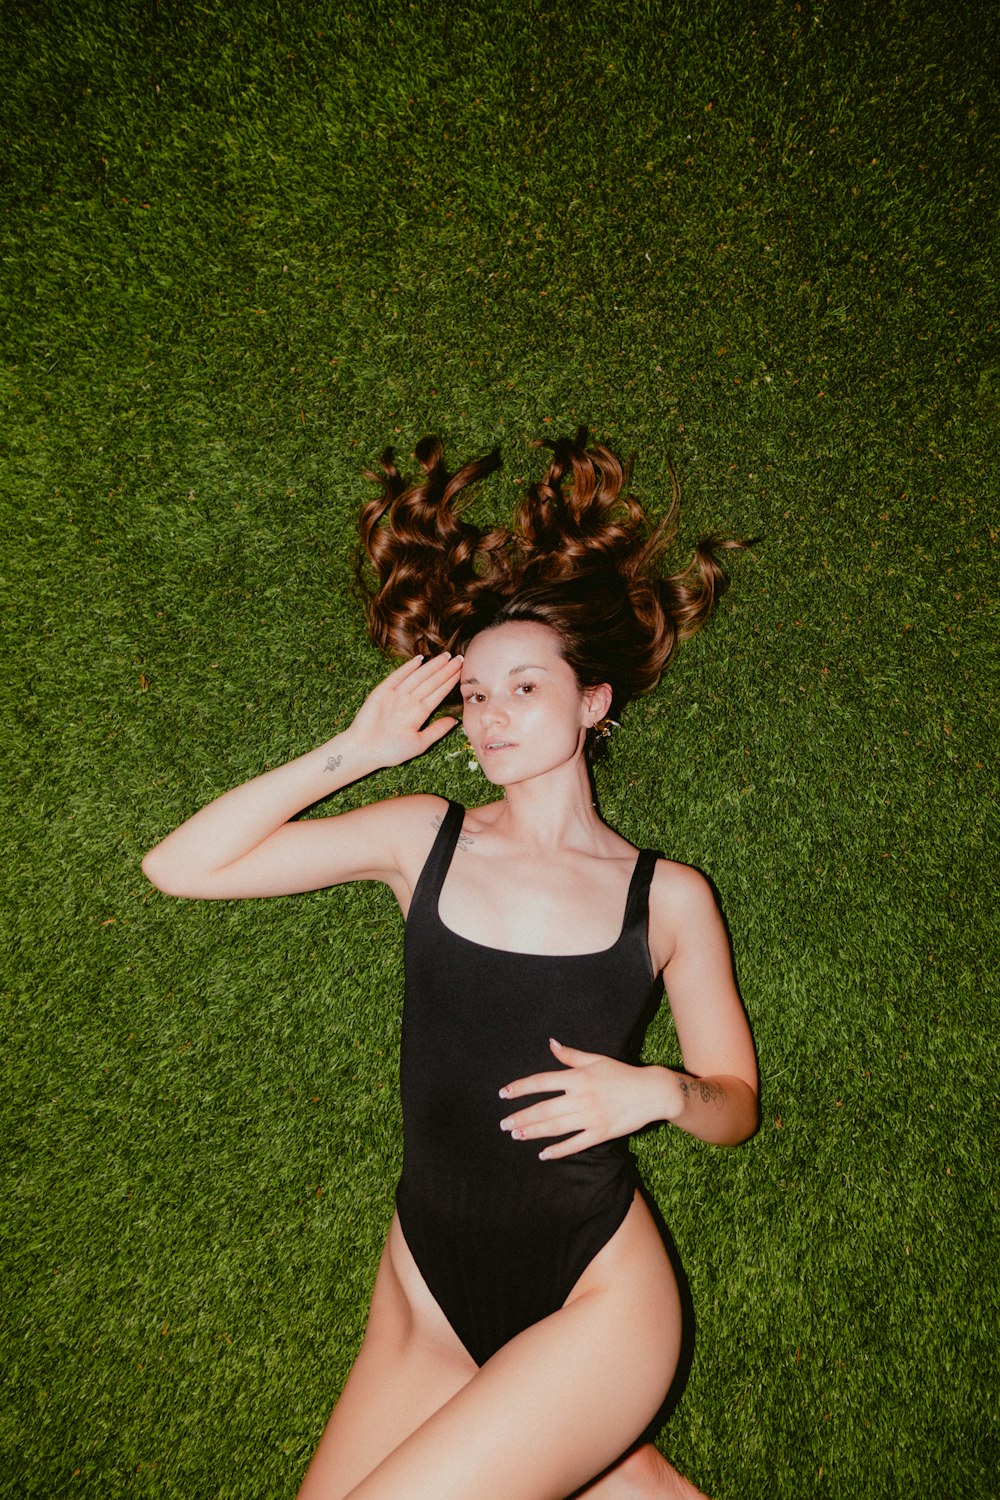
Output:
x,y
517,952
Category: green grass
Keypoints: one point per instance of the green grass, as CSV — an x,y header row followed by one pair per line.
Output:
x,y
245,247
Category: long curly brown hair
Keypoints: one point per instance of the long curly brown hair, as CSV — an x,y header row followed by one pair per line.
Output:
x,y
580,556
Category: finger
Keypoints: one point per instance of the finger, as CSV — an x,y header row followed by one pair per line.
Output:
x,y
427,694
437,730
401,673
548,1127
420,674
442,665
554,1117
570,1147
538,1083
550,1131
572,1056
440,686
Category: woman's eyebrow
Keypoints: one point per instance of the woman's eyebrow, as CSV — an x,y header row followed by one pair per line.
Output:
x,y
527,666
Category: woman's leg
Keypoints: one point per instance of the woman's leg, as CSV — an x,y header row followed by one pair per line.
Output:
x,y
402,1375
559,1402
643,1474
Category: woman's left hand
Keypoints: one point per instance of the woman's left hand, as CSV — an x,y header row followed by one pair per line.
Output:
x,y
597,1099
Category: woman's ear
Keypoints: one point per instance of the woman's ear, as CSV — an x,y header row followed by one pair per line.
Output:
x,y
597,701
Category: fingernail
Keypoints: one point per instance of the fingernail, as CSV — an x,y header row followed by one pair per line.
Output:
x,y
504,1092
504,1124
543,1156
517,1135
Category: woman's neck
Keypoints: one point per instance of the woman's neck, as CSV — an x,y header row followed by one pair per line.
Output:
x,y
552,811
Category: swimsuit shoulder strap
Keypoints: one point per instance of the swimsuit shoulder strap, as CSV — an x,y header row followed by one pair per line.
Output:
x,y
438,861
637,906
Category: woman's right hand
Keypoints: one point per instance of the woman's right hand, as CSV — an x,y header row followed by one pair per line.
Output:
x,y
249,841
391,725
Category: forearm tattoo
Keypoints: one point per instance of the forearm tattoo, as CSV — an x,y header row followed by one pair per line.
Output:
x,y
334,763
707,1092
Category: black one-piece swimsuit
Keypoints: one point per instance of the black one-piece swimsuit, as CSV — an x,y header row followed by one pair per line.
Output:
x,y
500,1237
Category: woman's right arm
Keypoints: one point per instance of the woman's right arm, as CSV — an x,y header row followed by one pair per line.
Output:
x,y
244,844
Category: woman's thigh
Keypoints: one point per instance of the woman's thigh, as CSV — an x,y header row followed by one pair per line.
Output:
x,y
561,1401
409,1364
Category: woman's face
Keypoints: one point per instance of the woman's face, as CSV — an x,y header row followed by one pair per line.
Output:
x,y
525,713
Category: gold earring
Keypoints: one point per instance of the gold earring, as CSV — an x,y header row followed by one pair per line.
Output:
x,y
604,726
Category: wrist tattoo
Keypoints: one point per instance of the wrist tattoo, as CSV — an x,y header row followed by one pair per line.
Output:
x,y
334,763
708,1093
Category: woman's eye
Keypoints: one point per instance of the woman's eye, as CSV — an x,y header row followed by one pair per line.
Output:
x,y
525,687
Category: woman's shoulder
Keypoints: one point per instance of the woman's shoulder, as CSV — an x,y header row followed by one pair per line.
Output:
x,y
415,817
679,890
406,827
681,900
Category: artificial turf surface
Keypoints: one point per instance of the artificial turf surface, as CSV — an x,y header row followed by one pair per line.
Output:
x,y
243,249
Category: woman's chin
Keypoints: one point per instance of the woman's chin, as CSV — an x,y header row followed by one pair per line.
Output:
x,y
493,777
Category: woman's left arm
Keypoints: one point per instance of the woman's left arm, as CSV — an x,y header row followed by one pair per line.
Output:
x,y
715,1096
